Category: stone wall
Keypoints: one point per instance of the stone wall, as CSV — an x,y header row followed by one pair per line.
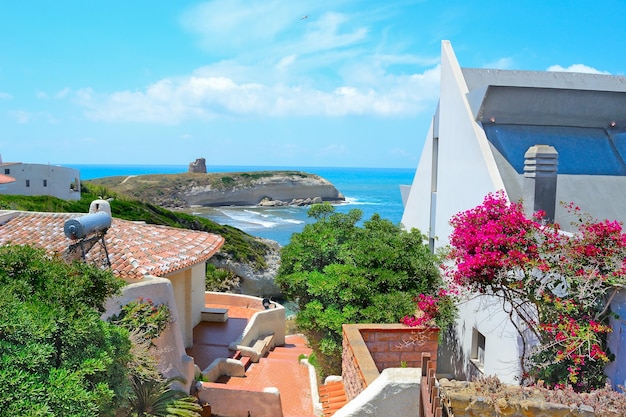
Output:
x,y
368,349
463,400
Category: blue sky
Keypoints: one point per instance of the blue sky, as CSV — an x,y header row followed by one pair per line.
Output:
x,y
272,82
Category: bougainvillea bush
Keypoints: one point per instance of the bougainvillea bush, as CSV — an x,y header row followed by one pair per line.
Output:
x,y
558,285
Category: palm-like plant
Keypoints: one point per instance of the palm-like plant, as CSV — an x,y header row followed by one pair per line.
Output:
x,y
154,398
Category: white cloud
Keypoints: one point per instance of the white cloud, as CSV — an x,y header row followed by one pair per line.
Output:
x,y
328,33
577,68
232,24
333,150
21,116
205,97
62,93
84,94
502,63
400,152
268,62
5,96
58,95
286,62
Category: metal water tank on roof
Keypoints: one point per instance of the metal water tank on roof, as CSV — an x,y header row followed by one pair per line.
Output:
x,y
83,226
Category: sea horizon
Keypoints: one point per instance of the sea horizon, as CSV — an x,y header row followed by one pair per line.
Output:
x,y
371,190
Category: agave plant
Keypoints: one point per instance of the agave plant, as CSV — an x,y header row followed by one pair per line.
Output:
x,y
154,398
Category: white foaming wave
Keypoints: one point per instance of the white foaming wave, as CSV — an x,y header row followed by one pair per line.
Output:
x,y
293,221
248,217
356,201
275,218
256,213
253,218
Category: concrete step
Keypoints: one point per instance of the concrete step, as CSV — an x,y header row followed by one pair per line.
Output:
x,y
283,354
244,359
291,351
293,361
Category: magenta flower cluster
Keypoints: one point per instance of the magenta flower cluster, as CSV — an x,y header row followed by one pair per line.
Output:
x,y
426,310
497,250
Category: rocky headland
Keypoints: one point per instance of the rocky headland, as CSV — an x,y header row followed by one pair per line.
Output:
x,y
267,188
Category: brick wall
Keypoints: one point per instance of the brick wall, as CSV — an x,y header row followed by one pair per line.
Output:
x,y
370,348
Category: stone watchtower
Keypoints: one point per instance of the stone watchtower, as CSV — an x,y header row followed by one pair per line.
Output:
x,y
198,166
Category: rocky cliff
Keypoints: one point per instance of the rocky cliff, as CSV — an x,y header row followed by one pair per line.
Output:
x,y
225,189
278,187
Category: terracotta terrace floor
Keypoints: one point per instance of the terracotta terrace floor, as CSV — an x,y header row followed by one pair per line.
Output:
x,y
211,339
279,368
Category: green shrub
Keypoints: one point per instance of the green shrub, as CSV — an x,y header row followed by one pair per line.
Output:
x,y
56,356
340,272
143,316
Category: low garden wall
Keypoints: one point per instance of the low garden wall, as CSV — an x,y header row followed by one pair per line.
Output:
x,y
368,349
237,402
465,399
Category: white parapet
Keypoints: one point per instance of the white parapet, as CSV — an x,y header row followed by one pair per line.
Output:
x,y
395,393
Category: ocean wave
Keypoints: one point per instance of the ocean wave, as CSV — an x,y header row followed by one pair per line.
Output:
x,y
294,221
248,217
357,202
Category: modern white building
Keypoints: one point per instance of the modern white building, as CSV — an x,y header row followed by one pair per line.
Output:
x,y
41,179
485,122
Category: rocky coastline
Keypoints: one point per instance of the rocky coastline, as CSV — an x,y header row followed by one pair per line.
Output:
x,y
264,188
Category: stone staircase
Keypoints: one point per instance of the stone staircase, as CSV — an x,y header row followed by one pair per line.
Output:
x,y
279,368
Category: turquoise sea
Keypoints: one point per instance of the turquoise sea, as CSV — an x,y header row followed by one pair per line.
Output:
x,y
371,190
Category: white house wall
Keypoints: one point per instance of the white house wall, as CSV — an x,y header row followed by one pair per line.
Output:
x,y
467,172
173,360
58,180
189,287
417,208
198,288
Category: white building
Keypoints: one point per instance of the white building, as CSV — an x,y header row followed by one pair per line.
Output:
x,y
485,122
41,179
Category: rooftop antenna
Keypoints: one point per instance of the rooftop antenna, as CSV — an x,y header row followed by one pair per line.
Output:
x,y
87,231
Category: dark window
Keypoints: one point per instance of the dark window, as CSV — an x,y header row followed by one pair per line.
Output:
x,y
7,171
582,151
45,183
28,183
478,350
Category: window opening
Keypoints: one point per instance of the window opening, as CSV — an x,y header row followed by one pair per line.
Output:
x,y
478,350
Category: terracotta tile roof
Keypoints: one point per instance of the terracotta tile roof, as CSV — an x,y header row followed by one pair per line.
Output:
x,y
332,397
135,248
5,179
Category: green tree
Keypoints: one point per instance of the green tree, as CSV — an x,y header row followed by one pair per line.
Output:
x,y
57,358
340,272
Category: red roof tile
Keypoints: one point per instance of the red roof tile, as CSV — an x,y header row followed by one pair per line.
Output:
x,y
332,397
135,248
5,179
